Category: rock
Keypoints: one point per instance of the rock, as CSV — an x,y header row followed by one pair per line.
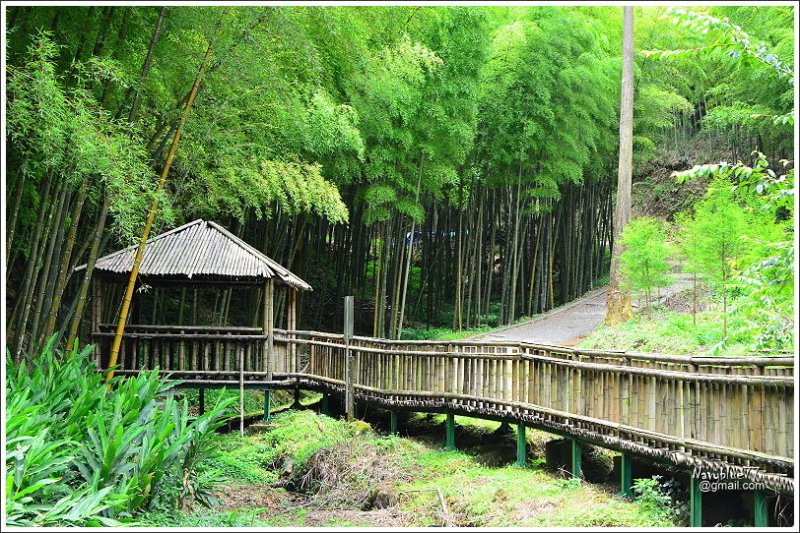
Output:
x,y
288,468
383,497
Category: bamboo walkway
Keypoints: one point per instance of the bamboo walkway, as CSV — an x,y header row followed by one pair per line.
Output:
x,y
712,413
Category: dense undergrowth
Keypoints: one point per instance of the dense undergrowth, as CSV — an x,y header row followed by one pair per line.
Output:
x,y
306,469
82,454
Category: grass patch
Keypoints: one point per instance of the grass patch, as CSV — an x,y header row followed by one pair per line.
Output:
x,y
330,465
671,332
442,334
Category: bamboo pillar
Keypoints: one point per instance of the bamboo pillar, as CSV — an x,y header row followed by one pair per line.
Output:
x,y
241,392
349,404
325,407
760,509
267,404
268,327
267,330
393,422
293,352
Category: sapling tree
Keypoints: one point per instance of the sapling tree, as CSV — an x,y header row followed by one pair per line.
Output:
x,y
713,240
644,260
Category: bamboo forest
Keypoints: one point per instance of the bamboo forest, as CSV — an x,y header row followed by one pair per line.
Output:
x,y
399,265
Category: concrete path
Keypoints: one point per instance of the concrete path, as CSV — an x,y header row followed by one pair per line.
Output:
x,y
563,324
571,322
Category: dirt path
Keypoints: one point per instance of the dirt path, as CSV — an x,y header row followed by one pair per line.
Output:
x,y
568,324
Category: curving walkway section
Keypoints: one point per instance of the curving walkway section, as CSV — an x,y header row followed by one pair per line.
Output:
x,y
710,413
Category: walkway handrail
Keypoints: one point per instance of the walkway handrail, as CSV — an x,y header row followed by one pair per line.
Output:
x,y
683,409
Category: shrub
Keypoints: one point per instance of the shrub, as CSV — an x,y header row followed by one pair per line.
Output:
x,y
79,453
662,501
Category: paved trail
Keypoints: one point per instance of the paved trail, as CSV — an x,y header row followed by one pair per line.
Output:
x,y
572,321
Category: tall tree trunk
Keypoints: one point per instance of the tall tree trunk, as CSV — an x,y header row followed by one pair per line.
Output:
x,y
516,252
83,292
65,262
31,270
410,250
148,63
618,299
457,310
123,316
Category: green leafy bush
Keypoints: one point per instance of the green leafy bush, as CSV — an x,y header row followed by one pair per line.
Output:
x,y
663,501
79,453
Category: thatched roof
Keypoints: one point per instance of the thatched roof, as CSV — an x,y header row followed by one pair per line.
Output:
x,y
199,251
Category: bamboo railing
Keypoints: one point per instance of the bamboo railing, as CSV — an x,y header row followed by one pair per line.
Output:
x,y
199,355
699,411
713,412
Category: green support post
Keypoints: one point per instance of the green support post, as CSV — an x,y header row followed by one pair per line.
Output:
x,y
522,445
695,503
760,513
393,422
201,396
626,476
267,404
450,432
575,449
325,406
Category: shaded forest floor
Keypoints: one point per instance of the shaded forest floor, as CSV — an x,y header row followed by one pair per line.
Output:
x,y
305,469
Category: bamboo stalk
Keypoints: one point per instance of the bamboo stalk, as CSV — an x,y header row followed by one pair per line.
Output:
x,y
123,316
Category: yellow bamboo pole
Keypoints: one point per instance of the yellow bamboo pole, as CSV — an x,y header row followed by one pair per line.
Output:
x,y
137,261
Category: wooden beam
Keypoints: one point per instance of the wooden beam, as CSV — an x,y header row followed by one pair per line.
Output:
x,y
269,326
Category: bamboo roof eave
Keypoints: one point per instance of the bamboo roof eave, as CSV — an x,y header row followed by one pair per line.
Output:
x,y
198,252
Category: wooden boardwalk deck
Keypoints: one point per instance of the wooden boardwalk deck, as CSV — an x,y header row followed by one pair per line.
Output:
x,y
713,413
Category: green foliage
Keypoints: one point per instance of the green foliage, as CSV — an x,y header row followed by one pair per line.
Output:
x,y
741,237
310,118
658,499
644,260
713,237
728,36
79,454
61,133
